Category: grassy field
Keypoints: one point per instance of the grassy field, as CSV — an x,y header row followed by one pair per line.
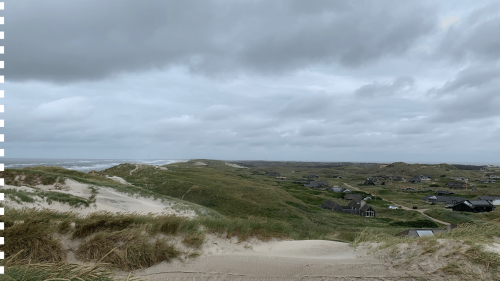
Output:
x,y
243,193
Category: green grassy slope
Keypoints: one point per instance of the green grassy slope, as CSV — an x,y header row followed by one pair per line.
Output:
x,y
52,175
244,193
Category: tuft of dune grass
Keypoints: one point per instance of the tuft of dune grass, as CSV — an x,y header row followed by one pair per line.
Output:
x,y
34,238
127,249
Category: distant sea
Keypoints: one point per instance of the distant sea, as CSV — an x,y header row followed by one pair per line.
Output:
x,y
82,165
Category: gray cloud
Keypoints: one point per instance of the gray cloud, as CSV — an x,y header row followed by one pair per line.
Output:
x,y
475,36
472,76
88,40
290,80
381,89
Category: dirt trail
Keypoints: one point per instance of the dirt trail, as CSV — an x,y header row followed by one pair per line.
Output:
x,y
404,207
136,168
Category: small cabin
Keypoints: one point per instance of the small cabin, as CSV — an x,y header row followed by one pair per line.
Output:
x,y
474,206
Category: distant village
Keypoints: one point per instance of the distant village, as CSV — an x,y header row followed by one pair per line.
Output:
x,y
356,204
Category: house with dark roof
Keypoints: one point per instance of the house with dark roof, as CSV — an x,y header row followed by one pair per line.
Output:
x,y
414,180
301,182
354,208
489,198
487,181
443,199
494,200
313,184
456,185
425,177
444,192
273,174
369,182
356,197
313,177
475,206
332,206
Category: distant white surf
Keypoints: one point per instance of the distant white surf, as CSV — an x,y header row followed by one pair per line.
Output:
x,y
82,165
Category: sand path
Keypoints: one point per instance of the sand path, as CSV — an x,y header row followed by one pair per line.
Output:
x,y
404,207
136,168
277,260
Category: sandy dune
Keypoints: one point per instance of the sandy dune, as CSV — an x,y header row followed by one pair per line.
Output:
x,y
224,259
107,199
118,179
236,166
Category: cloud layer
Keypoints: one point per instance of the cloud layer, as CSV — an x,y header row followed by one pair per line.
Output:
x,y
323,80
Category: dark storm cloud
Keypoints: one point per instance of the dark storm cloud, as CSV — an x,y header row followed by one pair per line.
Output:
x,y
81,40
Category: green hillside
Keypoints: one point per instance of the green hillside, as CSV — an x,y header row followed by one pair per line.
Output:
x,y
245,193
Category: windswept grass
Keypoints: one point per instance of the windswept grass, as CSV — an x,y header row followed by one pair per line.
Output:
x,y
48,196
127,249
61,271
466,245
34,240
125,240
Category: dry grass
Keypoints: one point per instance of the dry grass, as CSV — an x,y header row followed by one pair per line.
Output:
x,y
194,240
34,238
460,252
61,272
127,249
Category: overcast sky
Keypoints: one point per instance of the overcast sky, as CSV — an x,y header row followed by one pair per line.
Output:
x,y
414,81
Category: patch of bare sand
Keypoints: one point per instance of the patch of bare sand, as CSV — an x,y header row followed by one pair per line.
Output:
x,y
226,259
495,248
119,179
236,166
106,199
200,164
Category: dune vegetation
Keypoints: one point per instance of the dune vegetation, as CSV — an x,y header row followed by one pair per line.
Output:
x,y
229,201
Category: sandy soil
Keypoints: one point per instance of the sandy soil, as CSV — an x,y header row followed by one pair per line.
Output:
x,y
236,166
224,259
135,169
118,179
107,199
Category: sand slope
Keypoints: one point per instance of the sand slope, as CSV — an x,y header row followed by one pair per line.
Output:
x,y
107,199
224,259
